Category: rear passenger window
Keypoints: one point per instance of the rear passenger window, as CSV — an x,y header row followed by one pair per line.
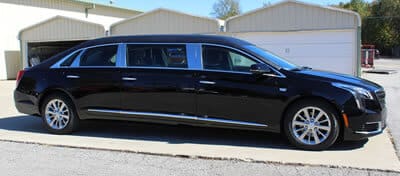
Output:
x,y
70,60
100,56
157,56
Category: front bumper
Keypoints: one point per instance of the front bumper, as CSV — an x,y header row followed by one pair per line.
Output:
x,y
370,123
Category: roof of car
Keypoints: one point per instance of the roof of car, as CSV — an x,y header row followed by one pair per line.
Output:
x,y
194,38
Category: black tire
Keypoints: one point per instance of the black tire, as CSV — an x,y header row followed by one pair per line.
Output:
x,y
73,122
331,116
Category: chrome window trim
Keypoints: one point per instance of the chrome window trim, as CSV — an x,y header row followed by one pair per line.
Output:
x,y
227,71
58,63
154,43
186,117
278,74
177,68
78,58
165,68
122,55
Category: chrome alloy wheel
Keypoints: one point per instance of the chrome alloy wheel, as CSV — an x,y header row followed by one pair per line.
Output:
x,y
57,114
311,125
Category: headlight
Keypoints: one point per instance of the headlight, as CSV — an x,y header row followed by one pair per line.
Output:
x,y
359,93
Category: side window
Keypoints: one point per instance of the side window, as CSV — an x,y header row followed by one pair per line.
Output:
x,y
219,58
157,56
240,62
100,56
67,62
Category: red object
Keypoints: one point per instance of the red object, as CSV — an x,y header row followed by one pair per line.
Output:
x,y
367,56
19,75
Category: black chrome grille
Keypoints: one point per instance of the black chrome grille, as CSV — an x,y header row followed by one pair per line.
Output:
x,y
370,127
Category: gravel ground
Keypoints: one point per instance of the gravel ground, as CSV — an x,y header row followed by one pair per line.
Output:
x,y
32,159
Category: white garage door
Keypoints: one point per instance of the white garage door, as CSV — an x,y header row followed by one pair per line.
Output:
x,y
325,50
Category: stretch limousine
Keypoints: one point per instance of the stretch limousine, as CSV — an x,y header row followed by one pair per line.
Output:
x,y
201,80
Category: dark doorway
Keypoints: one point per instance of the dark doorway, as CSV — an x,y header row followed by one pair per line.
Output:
x,y
40,51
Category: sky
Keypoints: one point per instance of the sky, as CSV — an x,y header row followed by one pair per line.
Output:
x,y
198,7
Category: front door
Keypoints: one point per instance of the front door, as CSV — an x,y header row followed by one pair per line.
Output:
x,y
228,91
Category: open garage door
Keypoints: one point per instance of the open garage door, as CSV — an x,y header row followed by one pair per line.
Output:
x,y
41,51
47,38
332,50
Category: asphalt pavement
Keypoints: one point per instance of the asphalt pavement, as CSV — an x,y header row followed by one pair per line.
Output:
x,y
31,159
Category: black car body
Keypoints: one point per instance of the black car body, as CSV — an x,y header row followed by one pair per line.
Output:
x,y
201,80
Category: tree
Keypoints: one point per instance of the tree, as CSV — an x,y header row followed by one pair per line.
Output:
x,y
224,9
385,20
380,22
359,6
267,3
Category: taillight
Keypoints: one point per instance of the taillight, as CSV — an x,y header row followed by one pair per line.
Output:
x,y
19,75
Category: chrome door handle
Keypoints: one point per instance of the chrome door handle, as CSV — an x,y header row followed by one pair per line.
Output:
x,y
128,79
207,82
73,77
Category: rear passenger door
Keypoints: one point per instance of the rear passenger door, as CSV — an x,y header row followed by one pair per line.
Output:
x,y
157,80
94,79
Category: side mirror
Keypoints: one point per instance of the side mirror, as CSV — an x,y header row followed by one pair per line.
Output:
x,y
260,69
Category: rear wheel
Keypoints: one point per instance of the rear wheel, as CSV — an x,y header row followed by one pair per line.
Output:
x,y
311,125
59,115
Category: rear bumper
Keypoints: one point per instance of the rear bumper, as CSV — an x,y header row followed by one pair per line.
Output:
x,y
370,123
25,103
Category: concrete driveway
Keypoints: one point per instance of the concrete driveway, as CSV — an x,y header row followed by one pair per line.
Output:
x,y
375,153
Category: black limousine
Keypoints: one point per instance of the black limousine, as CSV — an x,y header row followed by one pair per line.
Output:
x,y
201,80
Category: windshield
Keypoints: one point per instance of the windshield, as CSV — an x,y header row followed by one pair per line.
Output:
x,y
272,58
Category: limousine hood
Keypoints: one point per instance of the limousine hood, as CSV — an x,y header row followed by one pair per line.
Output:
x,y
339,78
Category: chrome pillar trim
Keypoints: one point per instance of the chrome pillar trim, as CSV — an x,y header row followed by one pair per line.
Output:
x,y
121,55
193,52
174,116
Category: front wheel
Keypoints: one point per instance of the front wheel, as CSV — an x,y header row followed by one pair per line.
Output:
x,y
311,125
59,114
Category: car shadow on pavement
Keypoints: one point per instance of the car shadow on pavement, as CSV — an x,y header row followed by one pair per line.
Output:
x,y
167,133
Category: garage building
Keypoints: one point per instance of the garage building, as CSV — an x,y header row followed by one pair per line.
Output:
x,y
19,14
321,37
317,36
55,35
164,21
